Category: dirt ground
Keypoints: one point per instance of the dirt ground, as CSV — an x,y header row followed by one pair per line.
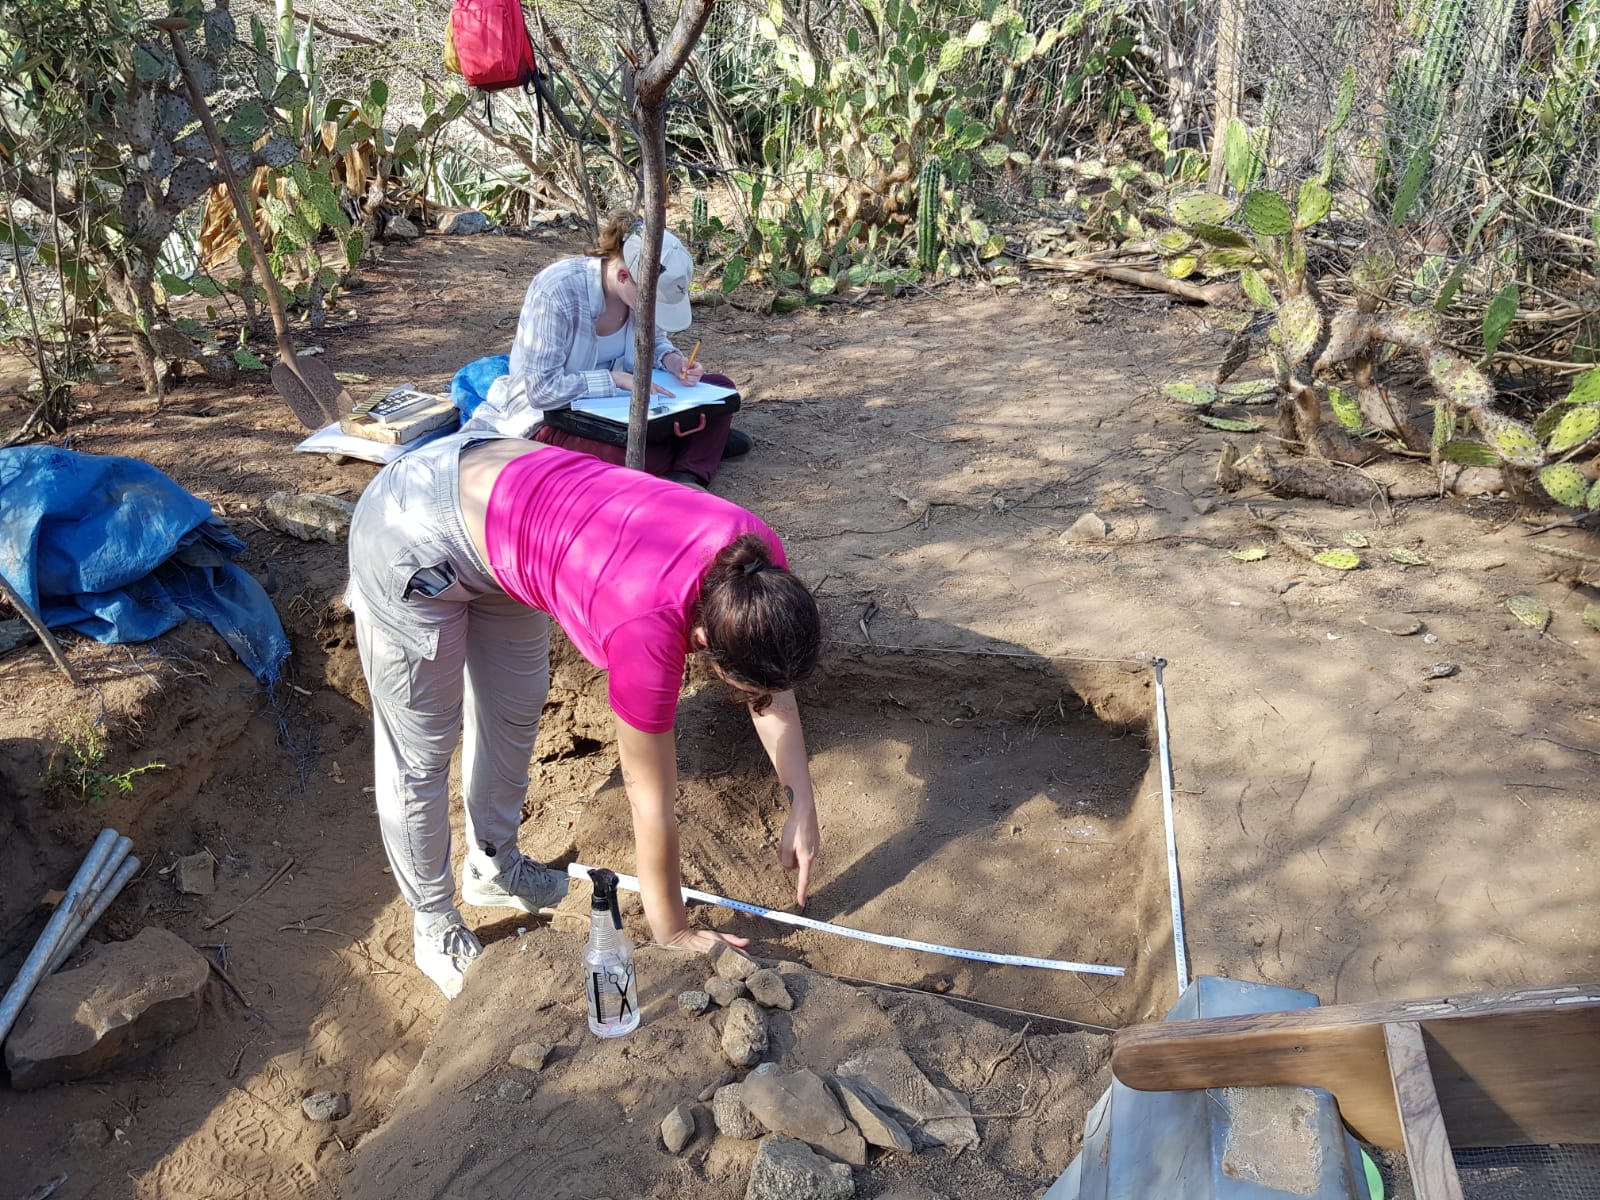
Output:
x,y
982,737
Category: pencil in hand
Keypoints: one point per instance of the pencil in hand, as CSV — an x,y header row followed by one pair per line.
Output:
x,y
689,362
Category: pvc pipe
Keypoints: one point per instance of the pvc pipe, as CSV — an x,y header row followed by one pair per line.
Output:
x,y
71,906
631,883
128,868
1174,886
91,894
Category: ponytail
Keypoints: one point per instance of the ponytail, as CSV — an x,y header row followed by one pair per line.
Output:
x,y
614,230
761,623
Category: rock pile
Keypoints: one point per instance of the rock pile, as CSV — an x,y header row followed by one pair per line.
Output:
x,y
813,1128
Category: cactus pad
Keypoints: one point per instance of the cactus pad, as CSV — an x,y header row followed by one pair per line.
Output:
x,y
1220,235
1413,328
1345,409
1591,616
1512,440
1256,288
1577,426
1406,557
1469,454
1266,213
1459,380
1173,241
1180,266
1224,260
1250,391
1231,424
1300,323
1585,388
1205,208
1201,395
1349,333
1249,554
1530,610
1357,539
1339,560
1566,484
1594,496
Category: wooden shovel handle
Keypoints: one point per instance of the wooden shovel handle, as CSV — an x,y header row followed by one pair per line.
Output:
x,y
280,320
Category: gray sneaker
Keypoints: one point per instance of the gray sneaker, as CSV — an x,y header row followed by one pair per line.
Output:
x,y
522,884
444,950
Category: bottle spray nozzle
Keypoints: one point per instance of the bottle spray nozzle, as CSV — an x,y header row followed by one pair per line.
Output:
x,y
605,894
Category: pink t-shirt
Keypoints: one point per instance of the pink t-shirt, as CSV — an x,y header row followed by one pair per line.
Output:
x,y
616,557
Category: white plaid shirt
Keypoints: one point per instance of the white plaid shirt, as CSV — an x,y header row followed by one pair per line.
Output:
x,y
554,353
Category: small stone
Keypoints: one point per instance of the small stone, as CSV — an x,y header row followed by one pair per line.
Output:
x,y
195,874
876,1126
722,1080
326,1106
1087,528
401,227
309,516
767,1068
530,1056
1399,624
731,1116
677,1128
768,990
694,1002
1203,505
460,224
514,1091
731,964
724,991
786,1169
744,1034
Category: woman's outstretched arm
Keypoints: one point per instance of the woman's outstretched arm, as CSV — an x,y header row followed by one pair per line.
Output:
x,y
779,729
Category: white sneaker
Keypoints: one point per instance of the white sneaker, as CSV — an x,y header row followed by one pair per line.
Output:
x,y
444,950
521,883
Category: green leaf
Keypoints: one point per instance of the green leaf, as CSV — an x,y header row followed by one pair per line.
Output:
x,y
1231,424
1201,395
1498,316
1339,560
1256,288
1410,186
1249,554
733,274
1266,213
1314,203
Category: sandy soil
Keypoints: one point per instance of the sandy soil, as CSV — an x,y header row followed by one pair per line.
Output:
x,y
1346,825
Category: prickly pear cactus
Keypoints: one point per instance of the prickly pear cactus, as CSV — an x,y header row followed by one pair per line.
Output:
x,y
1459,380
1339,560
1201,395
1300,324
1202,208
1413,328
1511,440
1249,554
1566,484
1266,213
1576,426
928,180
1345,409
1530,610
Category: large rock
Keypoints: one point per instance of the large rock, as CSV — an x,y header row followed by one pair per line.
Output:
x,y
129,998
731,1116
768,990
463,222
677,1128
938,1116
785,1169
800,1105
744,1034
309,516
730,964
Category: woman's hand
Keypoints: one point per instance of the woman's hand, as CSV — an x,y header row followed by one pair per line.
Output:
x,y
624,382
801,841
703,941
684,370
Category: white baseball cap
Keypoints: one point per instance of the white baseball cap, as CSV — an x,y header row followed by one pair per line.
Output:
x,y
672,285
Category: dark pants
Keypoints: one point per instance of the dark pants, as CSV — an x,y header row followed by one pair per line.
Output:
x,y
700,453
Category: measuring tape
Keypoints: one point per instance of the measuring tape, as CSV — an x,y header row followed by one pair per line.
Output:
x,y
631,883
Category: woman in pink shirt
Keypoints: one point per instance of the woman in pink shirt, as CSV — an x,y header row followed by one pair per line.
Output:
x,y
460,553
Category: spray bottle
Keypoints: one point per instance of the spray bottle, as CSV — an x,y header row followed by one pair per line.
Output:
x,y
608,963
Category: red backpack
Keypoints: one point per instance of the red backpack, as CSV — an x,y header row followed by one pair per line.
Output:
x,y
491,44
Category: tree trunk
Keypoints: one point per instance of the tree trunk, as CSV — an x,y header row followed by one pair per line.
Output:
x,y
1230,51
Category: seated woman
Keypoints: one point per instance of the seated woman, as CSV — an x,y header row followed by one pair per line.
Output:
x,y
460,553
575,339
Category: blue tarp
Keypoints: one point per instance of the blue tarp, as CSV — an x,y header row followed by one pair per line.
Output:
x,y
470,385
116,550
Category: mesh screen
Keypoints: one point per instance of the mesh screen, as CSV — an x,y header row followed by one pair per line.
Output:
x,y
1508,1173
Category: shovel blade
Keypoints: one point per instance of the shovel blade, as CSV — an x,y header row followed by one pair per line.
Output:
x,y
310,389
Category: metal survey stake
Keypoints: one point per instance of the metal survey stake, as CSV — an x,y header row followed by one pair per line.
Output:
x,y
1174,888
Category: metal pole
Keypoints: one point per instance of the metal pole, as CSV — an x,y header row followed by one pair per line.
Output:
x,y
1174,887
